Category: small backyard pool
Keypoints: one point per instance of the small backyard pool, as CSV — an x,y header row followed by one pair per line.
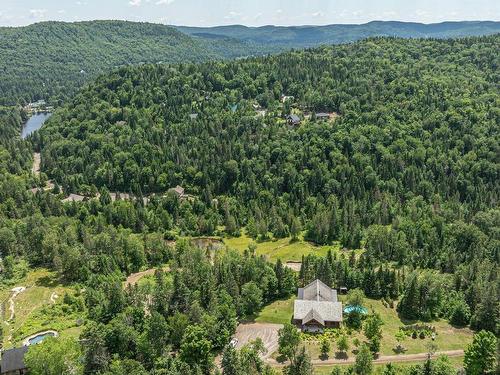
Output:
x,y
39,337
355,308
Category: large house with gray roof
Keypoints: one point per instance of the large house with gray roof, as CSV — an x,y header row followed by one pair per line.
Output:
x,y
317,308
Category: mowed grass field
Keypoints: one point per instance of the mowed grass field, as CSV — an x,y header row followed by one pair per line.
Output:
x,y
447,338
34,311
278,312
283,248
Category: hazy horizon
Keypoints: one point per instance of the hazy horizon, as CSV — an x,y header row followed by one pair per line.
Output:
x,y
255,13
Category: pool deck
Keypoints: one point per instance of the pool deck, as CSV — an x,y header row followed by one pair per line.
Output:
x,y
26,341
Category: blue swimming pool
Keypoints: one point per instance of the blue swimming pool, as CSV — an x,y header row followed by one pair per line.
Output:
x,y
360,309
39,338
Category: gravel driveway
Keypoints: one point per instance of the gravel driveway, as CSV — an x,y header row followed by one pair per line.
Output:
x,y
268,333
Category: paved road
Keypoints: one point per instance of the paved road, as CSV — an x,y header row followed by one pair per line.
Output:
x,y
381,359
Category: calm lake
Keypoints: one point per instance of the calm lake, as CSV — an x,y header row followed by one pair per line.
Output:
x,y
35,122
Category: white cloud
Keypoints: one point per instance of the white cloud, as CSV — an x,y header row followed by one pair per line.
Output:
x,y
318,14
135,3
232,15
37,13
164,2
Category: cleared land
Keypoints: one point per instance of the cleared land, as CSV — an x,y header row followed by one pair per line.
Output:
x,y
267,332
448,338
283,248
35,310
135,277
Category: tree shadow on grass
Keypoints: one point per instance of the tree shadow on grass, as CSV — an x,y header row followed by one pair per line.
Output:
x,y
341,355
281,358
50,281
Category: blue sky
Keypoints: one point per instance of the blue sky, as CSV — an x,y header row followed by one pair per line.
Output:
x,y
247,12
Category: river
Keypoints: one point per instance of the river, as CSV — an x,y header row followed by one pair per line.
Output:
x,y
34,123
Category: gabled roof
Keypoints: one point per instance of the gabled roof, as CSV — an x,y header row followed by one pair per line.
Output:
x,y
317,291
321,311
313,315
293,118
179,190
13,359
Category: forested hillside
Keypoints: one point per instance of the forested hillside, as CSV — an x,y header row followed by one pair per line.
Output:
x,y
53,59
416,132
279,37
388,170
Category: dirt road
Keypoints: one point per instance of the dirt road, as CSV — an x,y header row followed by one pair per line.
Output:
x,y
36,163
382,359
135,277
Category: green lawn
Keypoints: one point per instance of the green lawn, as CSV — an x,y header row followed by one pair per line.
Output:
x,y
283,248
448,337
34,312
278,312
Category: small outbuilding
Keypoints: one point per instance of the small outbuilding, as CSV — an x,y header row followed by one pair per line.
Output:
x,y
322,116
12,362
293,119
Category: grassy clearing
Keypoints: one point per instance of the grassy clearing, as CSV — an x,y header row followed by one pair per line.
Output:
x,y
35,312
448,337
278,312
283,248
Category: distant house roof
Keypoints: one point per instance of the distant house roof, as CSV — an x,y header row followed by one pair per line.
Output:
x,y
74,198
321,311
284,98
118,195
13,360
193,116
179,190
322,115
317,291
294,119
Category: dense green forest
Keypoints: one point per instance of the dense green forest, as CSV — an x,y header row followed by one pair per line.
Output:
x,y
407,172
415,146
51,60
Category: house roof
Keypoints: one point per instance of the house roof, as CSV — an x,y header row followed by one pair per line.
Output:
x,y
317,291
74,198
13,359
178,189
321,311
294,118
193,116
322,114
313,315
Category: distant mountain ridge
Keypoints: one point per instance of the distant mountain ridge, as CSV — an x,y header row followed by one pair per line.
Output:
x,y
308,36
